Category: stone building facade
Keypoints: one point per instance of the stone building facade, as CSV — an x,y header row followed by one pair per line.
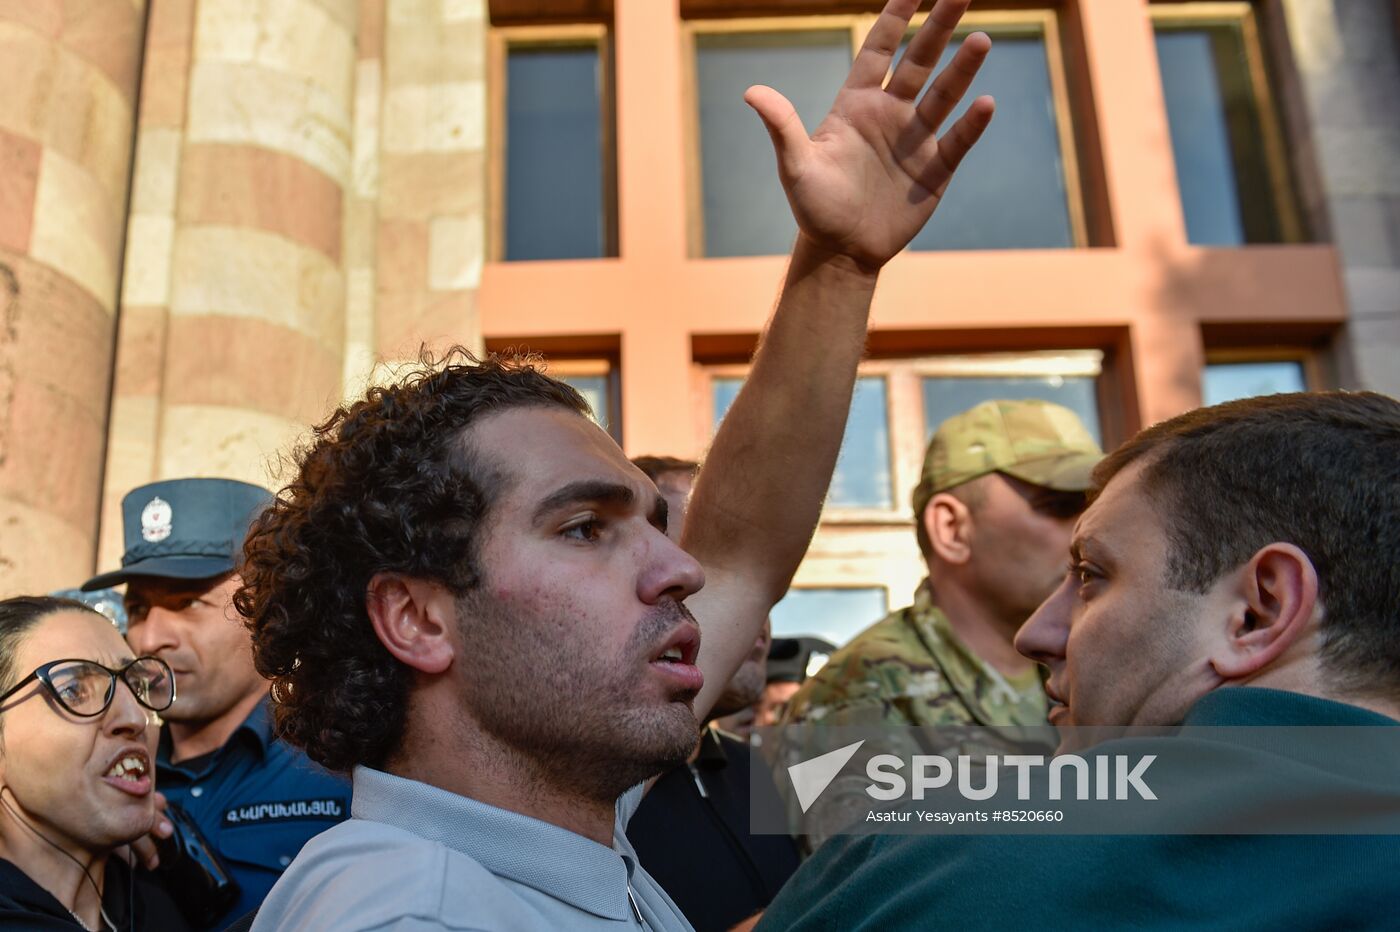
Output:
x,y
219,218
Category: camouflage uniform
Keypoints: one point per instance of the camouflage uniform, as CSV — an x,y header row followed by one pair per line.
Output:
x,y
910,669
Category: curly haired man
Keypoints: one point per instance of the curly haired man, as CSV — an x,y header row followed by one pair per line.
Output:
x,y
468,598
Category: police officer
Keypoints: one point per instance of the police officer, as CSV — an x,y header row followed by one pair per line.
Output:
x,y
254,799
1002,486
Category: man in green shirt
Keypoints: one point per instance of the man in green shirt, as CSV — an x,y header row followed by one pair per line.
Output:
x,y
1001,487
1235,568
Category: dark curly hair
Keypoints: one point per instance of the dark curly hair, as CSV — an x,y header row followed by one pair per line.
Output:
x,y
387,484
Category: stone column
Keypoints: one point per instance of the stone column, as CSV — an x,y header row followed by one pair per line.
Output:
x,y
66,122
431,176
1347,59
237,330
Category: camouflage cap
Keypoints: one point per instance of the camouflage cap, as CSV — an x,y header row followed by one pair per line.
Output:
x,y
1035,441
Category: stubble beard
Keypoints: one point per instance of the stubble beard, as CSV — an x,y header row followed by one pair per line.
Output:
x,y
572,717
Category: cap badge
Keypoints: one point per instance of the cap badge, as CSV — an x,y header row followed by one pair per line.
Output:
x,y
155,520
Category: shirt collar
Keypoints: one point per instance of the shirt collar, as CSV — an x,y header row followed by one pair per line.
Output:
x,y
515,847
712,755
257,730
258,724
1257,705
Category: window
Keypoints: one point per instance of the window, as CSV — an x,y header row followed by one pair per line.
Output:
x,y
1022,189
554,96
1021,192
1227,381
744,210
835,615
596,380
952,385
862,478
1226,140
899,403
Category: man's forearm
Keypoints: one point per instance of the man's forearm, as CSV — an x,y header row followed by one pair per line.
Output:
x,y
760,493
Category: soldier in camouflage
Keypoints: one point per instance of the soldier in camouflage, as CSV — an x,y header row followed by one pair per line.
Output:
x,y
1002,485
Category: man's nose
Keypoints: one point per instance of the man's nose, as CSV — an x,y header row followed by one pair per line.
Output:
x,y
154,632
1044,635
669,571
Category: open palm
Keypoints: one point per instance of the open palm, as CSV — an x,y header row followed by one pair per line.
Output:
x,y
870,176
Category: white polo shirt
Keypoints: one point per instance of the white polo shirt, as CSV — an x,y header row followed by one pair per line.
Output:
x,y
414,857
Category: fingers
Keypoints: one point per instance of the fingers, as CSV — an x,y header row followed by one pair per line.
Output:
x,y
783,124
956,143
144,850
873,62
953,81
926,48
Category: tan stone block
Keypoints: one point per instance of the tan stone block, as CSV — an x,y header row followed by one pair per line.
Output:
x,y
90,121
43,16
361,230
446,117
248,186
235,443
77,229
456,252
30,61
259,365
150,242
429,52
164,86
457,11
402,256
365,170
248,273
407,12
359,331
420,185
141,341
346,13
157,170
405,322
108,35
40,552
131,461
56,98
294,37
241,104
19,176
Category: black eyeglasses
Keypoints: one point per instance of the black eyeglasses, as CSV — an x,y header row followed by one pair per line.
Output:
x,y
85,687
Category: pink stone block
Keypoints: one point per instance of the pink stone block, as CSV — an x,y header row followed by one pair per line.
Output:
x,y
249,186
19,176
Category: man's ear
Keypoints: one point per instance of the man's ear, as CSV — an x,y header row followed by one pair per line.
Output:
x,y
413,619
1275,600
947,521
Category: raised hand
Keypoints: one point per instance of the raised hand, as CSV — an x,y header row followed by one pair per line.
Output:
x,y
867,180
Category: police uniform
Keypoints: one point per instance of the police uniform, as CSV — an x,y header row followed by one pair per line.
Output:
x,y
910,668
256,800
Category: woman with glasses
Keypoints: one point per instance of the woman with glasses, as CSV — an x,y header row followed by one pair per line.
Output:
x,y
79,718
